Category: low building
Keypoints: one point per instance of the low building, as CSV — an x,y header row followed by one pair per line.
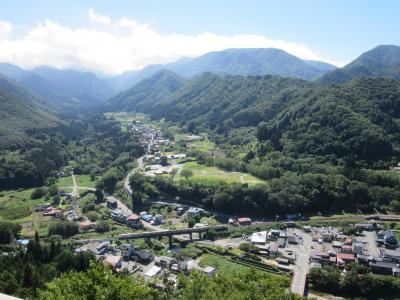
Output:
x,y
383,268
209,271
152,271
390,255
259,238
364,226
387,238
112,203
244,221
273,249
347,249
358,248
133,221
194,211
307,228
337,244
115,261
345,258
281,242
164,261
97,248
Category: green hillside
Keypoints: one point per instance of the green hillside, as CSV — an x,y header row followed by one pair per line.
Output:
x,y
148,93
382,61
20,111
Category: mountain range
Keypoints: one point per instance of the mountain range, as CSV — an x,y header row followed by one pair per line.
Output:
x,y
262,61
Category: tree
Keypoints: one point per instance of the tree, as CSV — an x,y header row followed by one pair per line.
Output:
x,y
186,173
110,179
98,282
102,226
164,160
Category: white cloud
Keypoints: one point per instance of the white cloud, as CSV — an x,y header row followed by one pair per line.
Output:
x,y
115,46
5,29
95,18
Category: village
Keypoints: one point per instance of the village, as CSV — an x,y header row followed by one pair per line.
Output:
x,y
155,242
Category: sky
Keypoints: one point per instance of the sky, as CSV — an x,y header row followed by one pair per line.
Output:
x,y
111,37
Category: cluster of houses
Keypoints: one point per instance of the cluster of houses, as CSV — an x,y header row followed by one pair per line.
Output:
x,y
347,250
150,266
49,210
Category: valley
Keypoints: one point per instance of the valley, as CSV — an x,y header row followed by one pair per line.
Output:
x,y
216,165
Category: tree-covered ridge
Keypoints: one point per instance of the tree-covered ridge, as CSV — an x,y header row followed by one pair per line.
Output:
x,y
20,111
148,93
382,61
358,121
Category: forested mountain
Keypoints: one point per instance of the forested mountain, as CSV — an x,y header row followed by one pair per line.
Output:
x,y
262,61
62,89
147,94
357,121
20,111
382,61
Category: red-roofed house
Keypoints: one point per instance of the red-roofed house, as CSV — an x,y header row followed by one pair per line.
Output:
x,y
244,221
344,258
133,221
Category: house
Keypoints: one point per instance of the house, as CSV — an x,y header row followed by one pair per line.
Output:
x,y
273,233
164,261
364,226
390,255
364,259
281,242
344,258
320,257
180,211
259,238
194,211
209,271
112,203
115,261
386,238
97,248
347,249
358,248
337,244
152,271
244,221
133,221
147,218
142,256
384,268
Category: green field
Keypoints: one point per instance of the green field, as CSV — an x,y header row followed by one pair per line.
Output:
x,y
85,181
221,264
64,182
17,205
203,146
204,174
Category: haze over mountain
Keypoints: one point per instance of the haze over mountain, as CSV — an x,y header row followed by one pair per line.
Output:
x,y
20,111
262,61
61,88
381,61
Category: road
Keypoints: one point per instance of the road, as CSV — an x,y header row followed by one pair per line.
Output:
x,y
127,211
75,192
302,264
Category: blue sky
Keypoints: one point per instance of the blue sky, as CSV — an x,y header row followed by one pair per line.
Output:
x,y
336,31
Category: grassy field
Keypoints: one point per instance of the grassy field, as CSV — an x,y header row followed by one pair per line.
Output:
x,y
221,264
64,182
17,205
203,146
204,174
85,181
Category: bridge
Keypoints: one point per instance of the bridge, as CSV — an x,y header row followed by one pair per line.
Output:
x,y
161,233
170,233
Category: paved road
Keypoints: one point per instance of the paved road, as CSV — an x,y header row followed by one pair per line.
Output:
x,y
302,264
127,211
371,244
